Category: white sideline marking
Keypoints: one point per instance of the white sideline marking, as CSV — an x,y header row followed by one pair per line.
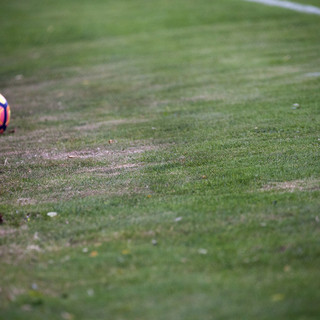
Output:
x,y
290,5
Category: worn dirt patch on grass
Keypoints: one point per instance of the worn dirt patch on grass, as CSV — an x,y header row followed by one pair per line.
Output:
x,y
26,201
98,153
107,171
111,170
55,118
4,232
38,152
108,123
292,186
205,97
103,176
31,144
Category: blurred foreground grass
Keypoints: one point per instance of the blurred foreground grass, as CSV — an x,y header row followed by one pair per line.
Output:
x,y
178,141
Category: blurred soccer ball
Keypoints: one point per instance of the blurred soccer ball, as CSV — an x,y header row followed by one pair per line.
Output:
x,y
4,114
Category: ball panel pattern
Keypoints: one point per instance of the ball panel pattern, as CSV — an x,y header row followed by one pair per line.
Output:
x,y
3,100
8,115
1,116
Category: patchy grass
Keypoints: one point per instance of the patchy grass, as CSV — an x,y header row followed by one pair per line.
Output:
x,y
291,186
178,143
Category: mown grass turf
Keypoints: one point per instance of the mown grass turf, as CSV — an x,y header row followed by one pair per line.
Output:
x,y
178,141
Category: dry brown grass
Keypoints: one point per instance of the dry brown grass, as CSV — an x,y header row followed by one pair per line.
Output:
x,y
292,186
98,153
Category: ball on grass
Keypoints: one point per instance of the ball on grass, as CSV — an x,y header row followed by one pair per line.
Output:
x,y
4,113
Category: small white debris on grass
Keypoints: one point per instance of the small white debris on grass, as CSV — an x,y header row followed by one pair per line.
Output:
x,y
90,292
202,251
34,286
36,236
52,214
18,77
178,219
295,106
67,316
154,242
85,250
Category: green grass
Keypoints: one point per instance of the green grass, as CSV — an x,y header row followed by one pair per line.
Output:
x,y
204,204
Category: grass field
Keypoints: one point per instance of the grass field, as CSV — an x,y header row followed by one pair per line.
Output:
x,y
178,142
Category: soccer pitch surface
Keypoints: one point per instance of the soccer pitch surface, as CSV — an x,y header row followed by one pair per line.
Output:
x,y
178,144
